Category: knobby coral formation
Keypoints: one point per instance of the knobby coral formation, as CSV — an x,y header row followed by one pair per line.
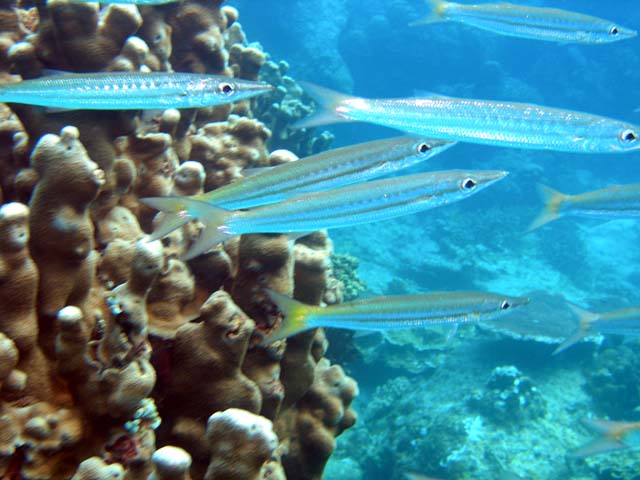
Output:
x,y
118,359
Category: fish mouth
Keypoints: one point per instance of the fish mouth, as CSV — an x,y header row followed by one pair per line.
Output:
x,y
487,177
520,302
247,86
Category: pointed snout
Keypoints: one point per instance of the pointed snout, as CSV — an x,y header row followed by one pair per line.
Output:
x,y
252,87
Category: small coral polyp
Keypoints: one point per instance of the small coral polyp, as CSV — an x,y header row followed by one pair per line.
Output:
x,y
117,358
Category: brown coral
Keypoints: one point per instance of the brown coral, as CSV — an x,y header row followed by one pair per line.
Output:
x,y
73,37
225,148
320,415
61,239
212,351
95,330
241,443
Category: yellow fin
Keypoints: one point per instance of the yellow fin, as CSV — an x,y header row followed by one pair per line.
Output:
x,y
294,316
436,15
552,202
167,223
586,319
607,440
327,101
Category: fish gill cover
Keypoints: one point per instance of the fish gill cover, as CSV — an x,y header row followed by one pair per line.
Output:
x,y
121,359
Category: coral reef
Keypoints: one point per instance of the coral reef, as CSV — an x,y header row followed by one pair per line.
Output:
x,y
320,415
282,107
118,359
611,381
344,270
241,443
508,398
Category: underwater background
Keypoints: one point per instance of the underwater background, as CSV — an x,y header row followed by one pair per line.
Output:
x,y
114,350
484,405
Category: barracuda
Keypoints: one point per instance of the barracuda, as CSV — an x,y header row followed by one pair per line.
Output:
x,y
394,312
550,24
323,171
129,2
130,90
625,321
621,201
342,207
611,436
488,122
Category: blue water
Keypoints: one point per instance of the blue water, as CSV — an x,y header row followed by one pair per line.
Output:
x,y
431,408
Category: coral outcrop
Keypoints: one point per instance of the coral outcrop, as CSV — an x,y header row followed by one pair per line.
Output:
x,y
508,398
61,238
241,443
117,358
319,416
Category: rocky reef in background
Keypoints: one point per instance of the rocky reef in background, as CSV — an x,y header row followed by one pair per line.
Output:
x,y
484,406
111,346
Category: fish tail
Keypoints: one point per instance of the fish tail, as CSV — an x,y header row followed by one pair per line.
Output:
x,y
552,201
175,215
586,319
436,14
214,220
607,440
168,223
327,101
294,316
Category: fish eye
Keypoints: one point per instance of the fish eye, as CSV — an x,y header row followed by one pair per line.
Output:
x,y
423,148
226,88
468,184
628,136
614,31
505,305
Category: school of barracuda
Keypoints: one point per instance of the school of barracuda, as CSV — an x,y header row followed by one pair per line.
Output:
x,y
333,189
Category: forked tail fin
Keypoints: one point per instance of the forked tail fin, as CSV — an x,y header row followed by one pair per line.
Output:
x,y
214,220
586,319
294,316
607,441
552,201
167,223
327,100
435,15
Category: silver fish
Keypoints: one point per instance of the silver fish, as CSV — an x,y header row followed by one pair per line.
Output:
x,y
323,171
130,90
625,321
342,207
393,312
489,122
620,201
536,23
612,436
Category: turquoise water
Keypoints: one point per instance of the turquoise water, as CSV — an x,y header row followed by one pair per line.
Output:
x,y
484,405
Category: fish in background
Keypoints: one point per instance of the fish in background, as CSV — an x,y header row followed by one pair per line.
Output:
x,y
130,90
342,207
625,321
128,2
489,122
537,23
620,201
418,476
392,312
323,171
612,436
